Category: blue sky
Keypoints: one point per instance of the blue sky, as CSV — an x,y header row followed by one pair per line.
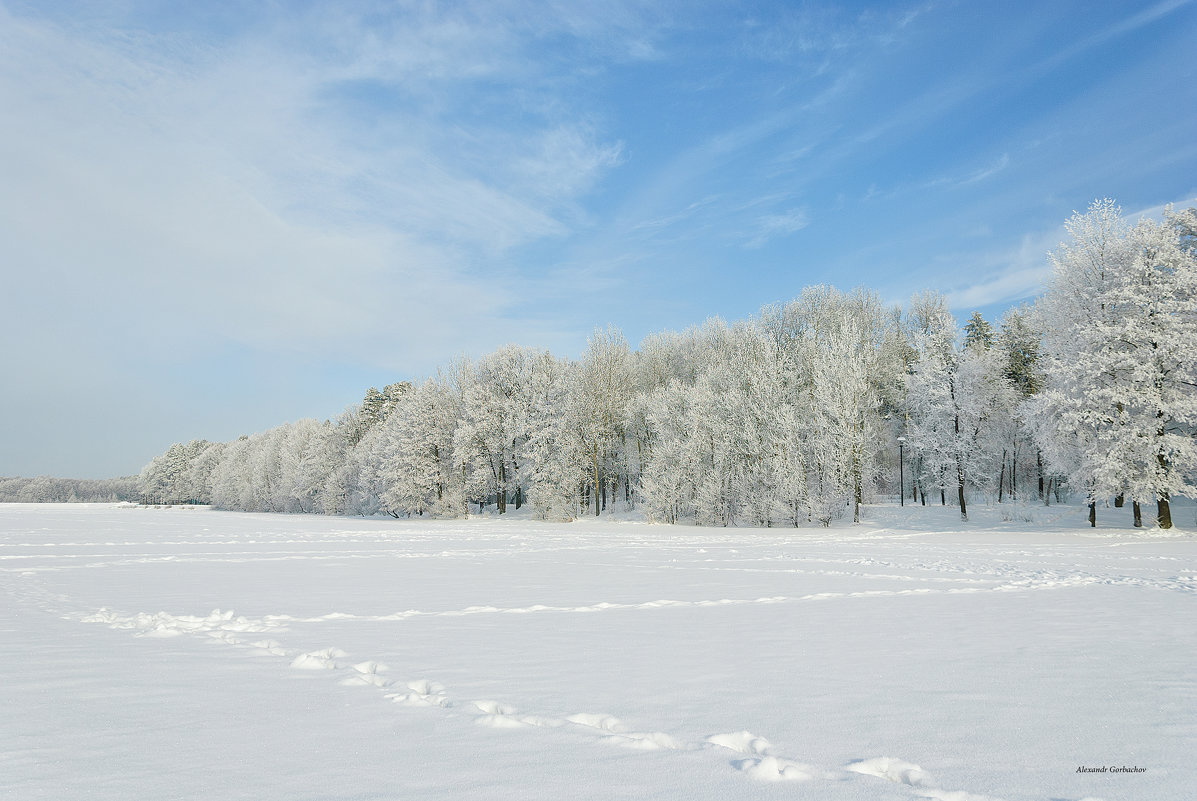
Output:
x,y
214,219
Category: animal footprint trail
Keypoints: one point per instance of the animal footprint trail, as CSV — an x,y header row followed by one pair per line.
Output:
x,y
325,659
164,624
368,674
902,772
770,768
502,716
645,741
596,721
613,732
422,693
893,769
745,742
766,766
756,757
267,648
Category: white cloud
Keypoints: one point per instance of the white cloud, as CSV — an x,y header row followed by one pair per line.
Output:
x,y
810,32
181,194
986,172
1007,275
1130,23
775,225
1157,212
563,162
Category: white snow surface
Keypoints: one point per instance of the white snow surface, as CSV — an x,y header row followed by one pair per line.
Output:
x,y
193,654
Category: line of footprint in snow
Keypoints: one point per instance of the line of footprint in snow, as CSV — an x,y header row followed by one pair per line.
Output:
x,y
1003,576
162,624
755,756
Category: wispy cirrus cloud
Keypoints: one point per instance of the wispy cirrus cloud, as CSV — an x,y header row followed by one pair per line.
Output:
x,y
792,32
262,185
984,172
261,196
1127,24
388,185
1022,271
771,226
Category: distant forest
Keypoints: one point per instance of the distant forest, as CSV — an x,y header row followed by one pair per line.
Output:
x,y
46,489
794,417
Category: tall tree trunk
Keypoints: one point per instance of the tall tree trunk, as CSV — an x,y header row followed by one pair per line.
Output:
x,y
440,485
1014,473
960,491
959,464
515,472
1138,514
503,487
594,454
857,481
1039,463
1002,477
639,463
1093,514
1163,511
1047,497
1163,514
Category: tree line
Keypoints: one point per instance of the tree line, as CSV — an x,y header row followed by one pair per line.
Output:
x,y
794,417
48,489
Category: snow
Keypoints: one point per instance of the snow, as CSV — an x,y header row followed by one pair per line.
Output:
x,y
194,654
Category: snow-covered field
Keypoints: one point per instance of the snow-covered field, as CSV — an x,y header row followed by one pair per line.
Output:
x,y
186,653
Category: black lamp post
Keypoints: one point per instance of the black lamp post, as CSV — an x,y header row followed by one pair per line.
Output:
x,y
901,471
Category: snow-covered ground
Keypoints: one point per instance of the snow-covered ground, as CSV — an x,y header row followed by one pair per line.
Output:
x,y
192,654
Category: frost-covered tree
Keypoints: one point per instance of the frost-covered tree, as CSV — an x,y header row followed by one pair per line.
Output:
x,y
554,454
667,476
961,403
377,404
494,427
827,347
978,333
327,462
315,462
931,331
1161,327
598,412
167,478
1119,406
663,359
297,439
712,446
417,466
231,477
48,489
788,418
1018,343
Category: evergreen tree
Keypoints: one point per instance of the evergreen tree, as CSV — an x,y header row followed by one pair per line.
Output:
x,y
978,333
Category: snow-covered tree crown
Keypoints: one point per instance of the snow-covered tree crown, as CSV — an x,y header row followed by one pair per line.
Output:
x,y
793,417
